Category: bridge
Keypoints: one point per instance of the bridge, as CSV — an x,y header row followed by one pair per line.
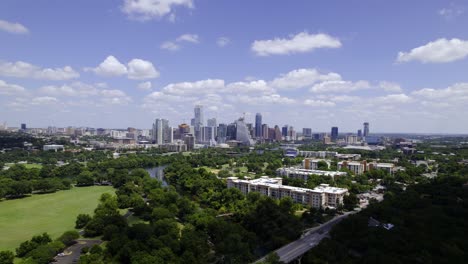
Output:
x,y
310,239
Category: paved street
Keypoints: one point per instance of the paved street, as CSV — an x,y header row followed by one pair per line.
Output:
x,y
309,240
75,251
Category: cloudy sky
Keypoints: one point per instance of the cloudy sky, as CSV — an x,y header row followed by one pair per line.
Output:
x,y
400,65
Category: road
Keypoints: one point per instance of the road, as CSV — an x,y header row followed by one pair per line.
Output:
x,y
73,252
309,240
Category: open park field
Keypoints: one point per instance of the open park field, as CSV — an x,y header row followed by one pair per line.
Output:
x,y
53,213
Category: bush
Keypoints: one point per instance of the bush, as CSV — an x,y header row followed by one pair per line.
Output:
x,y
82,220
6,257
68,238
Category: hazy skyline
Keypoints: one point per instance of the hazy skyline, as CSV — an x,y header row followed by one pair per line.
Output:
x,y
400,65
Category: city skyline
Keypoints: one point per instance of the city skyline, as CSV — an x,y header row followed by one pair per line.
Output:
x,y
129,63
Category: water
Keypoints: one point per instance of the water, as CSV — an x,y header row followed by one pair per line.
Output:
x,y
158,173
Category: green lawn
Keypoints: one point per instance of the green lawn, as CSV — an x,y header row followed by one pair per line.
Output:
x,y
53,213
27,165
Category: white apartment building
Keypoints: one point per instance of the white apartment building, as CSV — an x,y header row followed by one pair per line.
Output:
x,y
312,164
319,197
359,167
303,174
388,167
355,166
318,154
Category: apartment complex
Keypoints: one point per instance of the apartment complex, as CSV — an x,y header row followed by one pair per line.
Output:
x,y
312,164
359,167
303,174
320,197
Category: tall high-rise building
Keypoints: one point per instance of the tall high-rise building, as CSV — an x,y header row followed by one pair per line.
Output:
x,y
212,122
23,126
162,133
265,131
278,133
222,133
334,133
198,122
307,132
189,140
199,117
366,129
359,133
231,131
284,131
258,125
243,133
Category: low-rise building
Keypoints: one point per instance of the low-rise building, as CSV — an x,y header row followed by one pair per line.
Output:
x,y
388,167
319,197
52,147
303,174
312,164
355,166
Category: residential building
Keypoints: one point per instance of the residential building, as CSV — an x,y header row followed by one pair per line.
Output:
x,y
243,133
162,133
189,140
351,139
312,164
265,131
320,197
355,166
303,174
52,147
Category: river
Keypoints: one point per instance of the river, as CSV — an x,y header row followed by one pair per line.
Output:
x,y
158,173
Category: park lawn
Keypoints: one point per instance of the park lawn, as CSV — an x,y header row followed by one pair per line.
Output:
x,y
27,165
53,213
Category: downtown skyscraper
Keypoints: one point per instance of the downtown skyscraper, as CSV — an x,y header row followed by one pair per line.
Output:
x,y
258,125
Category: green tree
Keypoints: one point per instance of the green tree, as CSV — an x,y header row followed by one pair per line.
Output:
x,y
6,257
350,201
82,220
68,238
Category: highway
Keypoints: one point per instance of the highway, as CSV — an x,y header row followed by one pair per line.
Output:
x,y
309,240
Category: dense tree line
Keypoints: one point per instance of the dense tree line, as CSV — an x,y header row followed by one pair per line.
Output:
x,y
429,221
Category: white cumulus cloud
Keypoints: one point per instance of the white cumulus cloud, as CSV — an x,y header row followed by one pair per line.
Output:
x,y
111,66
300,43
145,86
44,100
10,89
390,86
136,69
15,28
301,78
193,38
439,51
259,86
153,9
139,69
223,41
198,87
319,103
21,69
339,86
169,45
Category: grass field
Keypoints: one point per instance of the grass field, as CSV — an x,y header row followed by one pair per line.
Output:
x,y
27,165
53,213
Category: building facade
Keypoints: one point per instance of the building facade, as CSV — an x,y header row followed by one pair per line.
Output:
x,y
320,197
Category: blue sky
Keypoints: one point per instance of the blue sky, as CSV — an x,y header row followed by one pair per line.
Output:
x,y
400,65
